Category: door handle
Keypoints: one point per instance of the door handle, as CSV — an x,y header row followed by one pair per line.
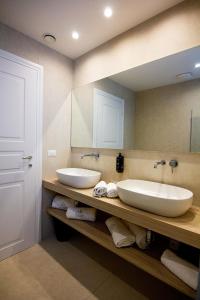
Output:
x,y
27,157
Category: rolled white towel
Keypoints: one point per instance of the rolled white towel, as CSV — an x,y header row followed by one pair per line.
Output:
x,y
63,203
100,189
140,234
121,236
81,213
181,268
112,190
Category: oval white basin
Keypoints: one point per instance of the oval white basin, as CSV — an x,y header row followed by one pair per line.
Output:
x,y
162,199
78,178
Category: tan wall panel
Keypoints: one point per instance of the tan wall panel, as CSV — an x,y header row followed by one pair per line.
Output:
x,y
163,116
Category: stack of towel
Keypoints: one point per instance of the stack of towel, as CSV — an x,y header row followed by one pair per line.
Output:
x,y
126,234
103,189
72,211
81,213
61,202
184,270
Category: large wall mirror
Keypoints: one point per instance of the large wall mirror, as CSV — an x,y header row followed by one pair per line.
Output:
x,y
155,106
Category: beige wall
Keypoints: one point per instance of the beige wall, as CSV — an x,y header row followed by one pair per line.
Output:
x,y
82,112
163,116
170,32
82,116
58,71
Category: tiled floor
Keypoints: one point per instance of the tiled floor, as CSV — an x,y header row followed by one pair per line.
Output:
x,y
76,270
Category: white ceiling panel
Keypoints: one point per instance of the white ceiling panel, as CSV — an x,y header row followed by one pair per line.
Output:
x,y
60,17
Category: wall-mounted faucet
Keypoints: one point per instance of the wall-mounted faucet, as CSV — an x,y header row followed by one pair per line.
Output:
x,y
173,164
161,162
96,155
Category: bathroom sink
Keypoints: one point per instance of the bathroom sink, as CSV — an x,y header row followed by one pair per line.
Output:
x,y
162,199
78,178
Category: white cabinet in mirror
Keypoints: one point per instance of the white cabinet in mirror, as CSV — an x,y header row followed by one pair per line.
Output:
x,y
144,108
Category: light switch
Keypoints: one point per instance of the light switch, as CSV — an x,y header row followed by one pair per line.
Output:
x,y
52,153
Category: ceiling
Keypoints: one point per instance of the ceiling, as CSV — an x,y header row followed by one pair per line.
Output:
x,y
61,17
161,72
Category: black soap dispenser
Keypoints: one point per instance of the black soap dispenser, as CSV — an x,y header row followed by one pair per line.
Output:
x,y
120,163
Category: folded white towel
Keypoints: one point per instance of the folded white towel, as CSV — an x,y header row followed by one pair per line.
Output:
x,y
62,202
100,189
122,237
112,190
140,234
181,268
81,213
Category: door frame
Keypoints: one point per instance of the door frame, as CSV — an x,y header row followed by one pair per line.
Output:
x,y
39,134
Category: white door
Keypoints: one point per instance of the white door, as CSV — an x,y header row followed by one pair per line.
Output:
x,y
18,139
108,120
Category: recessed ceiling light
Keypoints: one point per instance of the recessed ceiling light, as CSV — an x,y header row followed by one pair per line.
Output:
x,y
108,12
197,65
49,38
75,35
185,76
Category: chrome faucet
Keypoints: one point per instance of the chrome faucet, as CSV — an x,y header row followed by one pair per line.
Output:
x,y
161,162
96,155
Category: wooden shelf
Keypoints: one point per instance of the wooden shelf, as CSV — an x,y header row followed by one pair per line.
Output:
x,y
98,232
185,229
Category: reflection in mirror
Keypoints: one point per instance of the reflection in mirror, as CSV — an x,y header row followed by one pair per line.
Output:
x,y
103,116
155,106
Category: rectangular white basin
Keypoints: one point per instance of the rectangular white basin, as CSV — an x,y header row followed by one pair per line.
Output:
x,y
162,199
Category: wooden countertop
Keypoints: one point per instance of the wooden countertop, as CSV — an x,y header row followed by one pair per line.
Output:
x,y
185,229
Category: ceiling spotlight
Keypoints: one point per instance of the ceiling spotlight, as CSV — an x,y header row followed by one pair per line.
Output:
x,y
49,38
197,65
184,76
75,35
108,12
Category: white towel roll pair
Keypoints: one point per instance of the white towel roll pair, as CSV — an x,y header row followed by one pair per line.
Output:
x,y
184,270
103,189
81,213
61,202
125,233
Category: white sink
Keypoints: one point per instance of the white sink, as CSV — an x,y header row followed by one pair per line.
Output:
x,y
78,178
162,199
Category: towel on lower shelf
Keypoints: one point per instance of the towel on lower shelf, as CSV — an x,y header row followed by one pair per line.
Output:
x,y
112,190
100,189
81,213
140,234
181,268
122,237
63,203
